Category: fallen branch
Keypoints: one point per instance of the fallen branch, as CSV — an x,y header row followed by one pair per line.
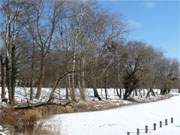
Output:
x,y
30,106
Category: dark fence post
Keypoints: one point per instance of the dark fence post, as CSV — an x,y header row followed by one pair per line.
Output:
x,y
137,131
166,122
172,120
146,129
154,126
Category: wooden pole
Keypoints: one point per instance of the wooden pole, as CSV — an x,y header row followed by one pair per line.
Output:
x,y
166,122
172,120
154,126
146,129
137,131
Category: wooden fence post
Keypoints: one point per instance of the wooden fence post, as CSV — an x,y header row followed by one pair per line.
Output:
x,y
137,131
172,120
154,126
146,129
166,122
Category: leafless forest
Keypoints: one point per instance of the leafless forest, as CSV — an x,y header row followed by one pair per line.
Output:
x,y
76,44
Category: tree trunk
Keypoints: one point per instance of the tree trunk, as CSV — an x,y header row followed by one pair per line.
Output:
x,y
31,84
67,90
8,80
13,73
41,78
96,94
81,90
32,74
135,92
8,47
120,92
127,93
2,79
144,92
140,94
106,94
72,91
57,82
72,94
105,89
81,82
164,91
69,81
150,92
83,79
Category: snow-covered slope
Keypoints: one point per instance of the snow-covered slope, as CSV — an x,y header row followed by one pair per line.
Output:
x,y
120,120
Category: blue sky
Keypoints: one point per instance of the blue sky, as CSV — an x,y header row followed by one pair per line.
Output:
x,y
155,22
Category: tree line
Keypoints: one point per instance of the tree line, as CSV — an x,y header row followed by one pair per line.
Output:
x,y
76,44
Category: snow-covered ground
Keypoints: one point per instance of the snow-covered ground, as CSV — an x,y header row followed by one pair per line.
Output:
x,y
114,121
171,130
120,120
23,93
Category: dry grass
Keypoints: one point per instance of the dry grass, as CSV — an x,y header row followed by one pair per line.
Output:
x,y
8,116
23,122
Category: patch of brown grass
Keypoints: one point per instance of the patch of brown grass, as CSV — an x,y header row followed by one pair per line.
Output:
x,y
27,120
20,121
8,116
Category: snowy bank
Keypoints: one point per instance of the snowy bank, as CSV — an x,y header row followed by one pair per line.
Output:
x,y
120,120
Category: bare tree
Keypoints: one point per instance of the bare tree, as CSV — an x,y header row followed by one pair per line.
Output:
x,y
43,34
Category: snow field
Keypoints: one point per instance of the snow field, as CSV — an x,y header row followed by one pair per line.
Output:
x,y
121,120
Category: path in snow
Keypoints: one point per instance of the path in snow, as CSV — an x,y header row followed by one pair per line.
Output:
x,y
120,120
